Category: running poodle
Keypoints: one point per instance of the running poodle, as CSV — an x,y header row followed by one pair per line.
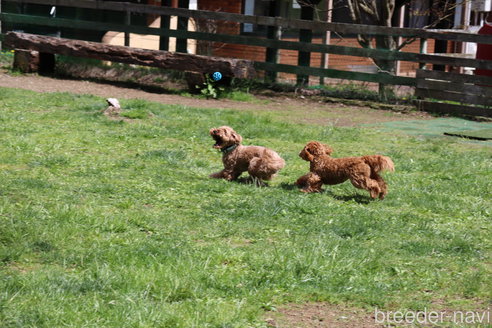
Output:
x,y
260,162
361,171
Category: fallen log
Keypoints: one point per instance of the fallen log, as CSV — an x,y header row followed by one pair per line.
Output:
x,y
229,67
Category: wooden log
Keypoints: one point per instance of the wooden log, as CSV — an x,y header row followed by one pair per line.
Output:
x,y
26,61
239,68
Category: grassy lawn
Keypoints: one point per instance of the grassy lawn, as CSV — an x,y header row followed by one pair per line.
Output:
x,y
116,224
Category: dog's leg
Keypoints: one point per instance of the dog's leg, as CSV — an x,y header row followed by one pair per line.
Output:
x,y
225,174
382,184
364,182
302,181
310,183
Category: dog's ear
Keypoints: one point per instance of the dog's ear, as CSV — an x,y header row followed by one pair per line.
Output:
x,y
328,149
236,137
307,153
316,148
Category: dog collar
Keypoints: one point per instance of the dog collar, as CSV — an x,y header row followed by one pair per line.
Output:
x,y
228,149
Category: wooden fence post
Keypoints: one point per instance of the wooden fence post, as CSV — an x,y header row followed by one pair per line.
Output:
x,y
274,33
165,23
181,43
423,50
128,22
326,38
304,57
272,54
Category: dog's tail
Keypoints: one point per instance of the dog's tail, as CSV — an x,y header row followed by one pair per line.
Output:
x,y
274,163
273,159
266,166
379,163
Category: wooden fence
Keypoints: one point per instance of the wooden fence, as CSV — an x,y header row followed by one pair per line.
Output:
x,y
128,9
456,90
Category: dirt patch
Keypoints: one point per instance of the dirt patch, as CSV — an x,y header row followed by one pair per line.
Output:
x,y
289,108
471,313
320,315
23,268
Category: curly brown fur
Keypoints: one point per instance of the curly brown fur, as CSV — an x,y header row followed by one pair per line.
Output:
x,y
261,163
361,171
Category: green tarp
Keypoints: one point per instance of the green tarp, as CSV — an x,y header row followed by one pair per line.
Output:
x,y
475,132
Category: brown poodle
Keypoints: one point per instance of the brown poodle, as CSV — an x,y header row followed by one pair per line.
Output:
x,y
260,162
361,171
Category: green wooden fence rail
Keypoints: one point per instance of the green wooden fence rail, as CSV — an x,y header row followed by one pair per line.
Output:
x,y
381,77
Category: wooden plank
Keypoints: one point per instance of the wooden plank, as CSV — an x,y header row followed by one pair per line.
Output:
x,y
248,40
455,77
423,50
337,74
341,28
460,110
452,96
454,87
170,60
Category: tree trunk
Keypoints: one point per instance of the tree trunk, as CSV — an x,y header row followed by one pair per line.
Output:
x,y
373,12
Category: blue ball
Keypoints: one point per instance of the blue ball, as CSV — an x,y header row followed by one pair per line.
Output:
x,y
216,76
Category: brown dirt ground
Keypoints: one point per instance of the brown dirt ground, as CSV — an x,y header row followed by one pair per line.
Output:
x,y
291,108
325,315
320,315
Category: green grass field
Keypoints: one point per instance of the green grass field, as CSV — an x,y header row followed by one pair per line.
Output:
x,y
116,224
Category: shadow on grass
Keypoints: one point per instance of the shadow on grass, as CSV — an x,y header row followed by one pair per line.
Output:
x,y
288,186
121,84
167,154
355,198
249,180
361,199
